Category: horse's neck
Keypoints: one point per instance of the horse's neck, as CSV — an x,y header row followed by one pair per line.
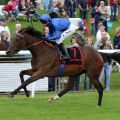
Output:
x,y
39,49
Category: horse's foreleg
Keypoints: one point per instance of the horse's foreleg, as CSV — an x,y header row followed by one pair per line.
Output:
x,y
22,73
41,73
69,86
23,85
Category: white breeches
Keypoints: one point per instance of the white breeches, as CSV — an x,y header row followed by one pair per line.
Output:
x,y
66,33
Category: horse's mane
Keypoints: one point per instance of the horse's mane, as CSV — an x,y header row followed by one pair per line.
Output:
x,y
37,34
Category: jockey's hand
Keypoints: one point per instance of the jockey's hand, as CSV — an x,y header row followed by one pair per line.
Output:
x,y
44,38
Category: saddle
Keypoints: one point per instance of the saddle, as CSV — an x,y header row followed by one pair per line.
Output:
x,y
76,59
75,56
74,53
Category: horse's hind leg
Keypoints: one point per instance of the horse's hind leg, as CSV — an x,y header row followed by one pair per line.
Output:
x,y
22,73
69,86
99,88
100,91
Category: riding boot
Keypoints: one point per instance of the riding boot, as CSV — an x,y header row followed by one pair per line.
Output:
x,y
64,52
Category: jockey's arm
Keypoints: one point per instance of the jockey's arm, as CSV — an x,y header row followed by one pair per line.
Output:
x,y
55,36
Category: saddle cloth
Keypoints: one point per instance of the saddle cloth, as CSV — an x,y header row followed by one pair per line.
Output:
x,y
75,56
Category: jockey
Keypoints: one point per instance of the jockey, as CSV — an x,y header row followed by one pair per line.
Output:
x,y
59,29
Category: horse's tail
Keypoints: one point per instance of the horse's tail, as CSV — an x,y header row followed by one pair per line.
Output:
x,y
109,56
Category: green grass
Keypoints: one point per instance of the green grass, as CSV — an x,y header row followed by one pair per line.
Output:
x,y
73,106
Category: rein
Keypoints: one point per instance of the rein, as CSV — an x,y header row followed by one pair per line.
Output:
x,y
49,44
34,44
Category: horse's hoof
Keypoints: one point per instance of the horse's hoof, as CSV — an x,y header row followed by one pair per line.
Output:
x,y
28,93
10,95
53,99
98,106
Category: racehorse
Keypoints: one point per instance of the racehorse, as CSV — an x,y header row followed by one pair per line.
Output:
x,y
46,62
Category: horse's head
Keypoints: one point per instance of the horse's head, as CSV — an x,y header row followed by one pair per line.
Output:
x,y
17,43
25,38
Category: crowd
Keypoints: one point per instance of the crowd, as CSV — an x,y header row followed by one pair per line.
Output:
x,y
57,26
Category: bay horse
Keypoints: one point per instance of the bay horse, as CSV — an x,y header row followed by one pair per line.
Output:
x,y
46,62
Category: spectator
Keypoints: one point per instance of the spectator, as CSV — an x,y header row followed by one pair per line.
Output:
x,y
3,27
63,13
104,14
118,10
74,42
50,4
83,9
61,6
7,11
40,4
92,3
18,27
46,4
78,40
4,39
116,40
22,7
34,3
15,11
76,87
101,29
113,5
88,42
54,13
80,36
95,18
71,8
105,44
54,5
66,5
30,10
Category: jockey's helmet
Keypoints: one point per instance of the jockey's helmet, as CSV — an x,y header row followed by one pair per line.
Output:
x,y
45,18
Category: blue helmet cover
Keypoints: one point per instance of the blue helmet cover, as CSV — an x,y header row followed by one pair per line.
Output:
x,y
45,17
